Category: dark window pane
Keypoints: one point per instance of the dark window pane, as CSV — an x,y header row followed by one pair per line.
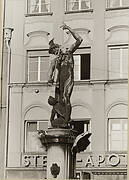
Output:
x,y
86,176
85,66
32,126
79,126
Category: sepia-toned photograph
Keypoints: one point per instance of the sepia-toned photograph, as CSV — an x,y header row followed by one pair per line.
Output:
x,y
64,89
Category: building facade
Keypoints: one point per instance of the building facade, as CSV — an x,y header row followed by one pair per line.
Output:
x,y
99,99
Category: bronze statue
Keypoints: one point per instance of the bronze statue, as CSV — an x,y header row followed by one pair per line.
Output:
x,y
64,64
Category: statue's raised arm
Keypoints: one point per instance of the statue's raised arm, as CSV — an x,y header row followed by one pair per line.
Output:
x,y
78,38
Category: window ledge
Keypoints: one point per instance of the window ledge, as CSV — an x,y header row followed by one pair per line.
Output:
x,y
79,11
81,82
25,168
113,81
117,8
34,153
116,152
101,81
39,14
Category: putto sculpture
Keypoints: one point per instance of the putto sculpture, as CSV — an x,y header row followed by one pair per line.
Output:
x,y
63,64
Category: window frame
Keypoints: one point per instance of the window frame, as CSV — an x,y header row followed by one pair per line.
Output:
x,y
108,7
27,64
78,10
80,51
25,134
80,175
109,134
89,129
115,46
28,13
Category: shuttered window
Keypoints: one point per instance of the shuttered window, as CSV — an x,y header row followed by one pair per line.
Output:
x,y
118,134
38,6
38,66
118,62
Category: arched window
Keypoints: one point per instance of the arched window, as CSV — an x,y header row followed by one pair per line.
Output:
x,y
81,121
118,134
36,119
32,142
117,128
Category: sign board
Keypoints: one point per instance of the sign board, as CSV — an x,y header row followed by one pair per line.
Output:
x,y
91,160
88,160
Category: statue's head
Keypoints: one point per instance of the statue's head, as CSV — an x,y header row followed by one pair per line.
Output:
x,y
52,101
53,48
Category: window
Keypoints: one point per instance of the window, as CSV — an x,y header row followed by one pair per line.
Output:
x,y
82,126
82,64
118,62
86,175
83,175
117,3
118,134
78,175
38,6
32,143
77,5
38,66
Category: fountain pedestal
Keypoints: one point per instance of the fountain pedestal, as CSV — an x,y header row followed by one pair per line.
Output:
x,y
60,160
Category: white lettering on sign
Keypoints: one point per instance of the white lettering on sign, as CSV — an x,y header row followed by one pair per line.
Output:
x,y
101,159
34,160
114,159
27,161
89,161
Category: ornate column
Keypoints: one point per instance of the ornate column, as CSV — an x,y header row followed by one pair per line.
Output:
x,y
60,160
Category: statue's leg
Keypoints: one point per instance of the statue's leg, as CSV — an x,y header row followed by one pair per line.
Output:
x,y
67,95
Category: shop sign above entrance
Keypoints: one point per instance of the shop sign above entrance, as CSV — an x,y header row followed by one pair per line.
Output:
x,y
89,160
102,160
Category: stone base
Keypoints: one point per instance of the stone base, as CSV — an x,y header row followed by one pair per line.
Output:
x,y
60,161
